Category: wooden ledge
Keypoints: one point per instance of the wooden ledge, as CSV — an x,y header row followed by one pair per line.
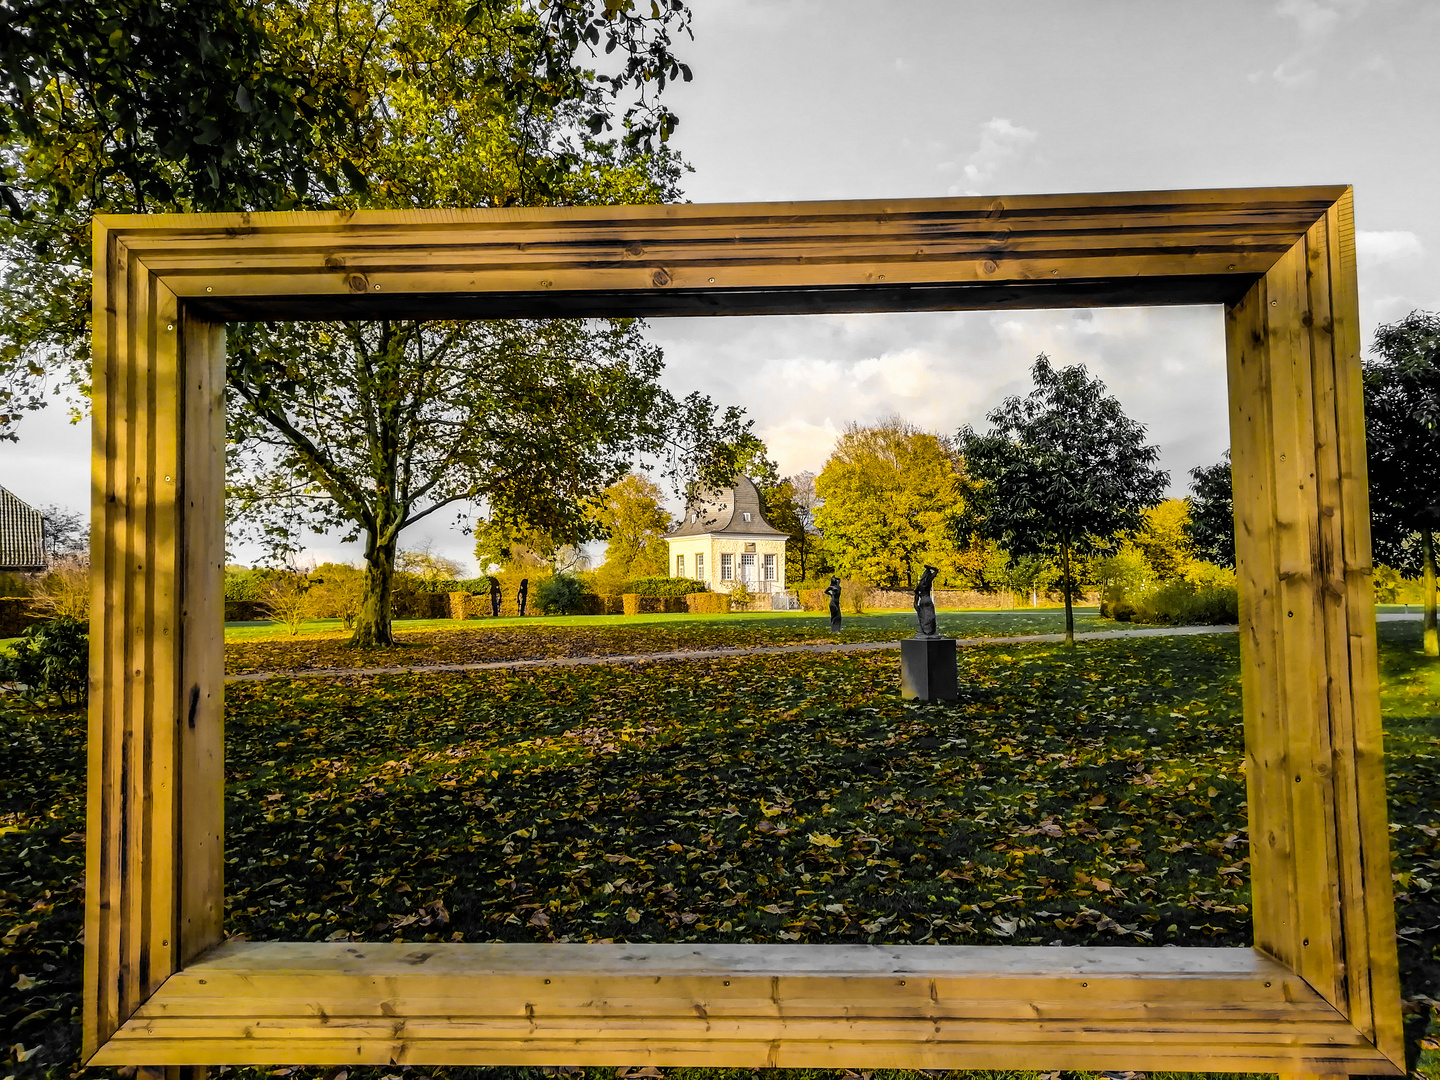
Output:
x,y
758,1005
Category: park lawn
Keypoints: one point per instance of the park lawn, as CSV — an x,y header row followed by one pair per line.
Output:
x,y
1091,796
251,647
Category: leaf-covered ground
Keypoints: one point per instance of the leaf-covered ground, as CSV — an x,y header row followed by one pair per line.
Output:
x,y
1091,796
516,639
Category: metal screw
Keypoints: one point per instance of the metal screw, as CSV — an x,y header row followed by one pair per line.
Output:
x,y
167,479
1274,303
547,982
1084,984
882,277
1305,942
1054,273
1232,267
712,281
165,944
902,982
209,288
1267,984
727,982
377,288
170,326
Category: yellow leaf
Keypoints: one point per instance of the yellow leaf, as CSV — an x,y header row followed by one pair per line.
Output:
x,y
632,916
820,839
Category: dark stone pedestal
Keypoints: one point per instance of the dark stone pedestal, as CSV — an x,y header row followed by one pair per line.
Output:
x,y
927,669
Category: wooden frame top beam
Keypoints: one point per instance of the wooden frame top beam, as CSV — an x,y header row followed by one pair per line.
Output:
x,y
1114,249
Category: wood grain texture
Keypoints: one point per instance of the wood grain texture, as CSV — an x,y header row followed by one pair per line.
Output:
x,y
1057,250
1318,997
758,1005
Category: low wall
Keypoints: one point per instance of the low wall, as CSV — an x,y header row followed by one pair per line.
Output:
x,y
885,599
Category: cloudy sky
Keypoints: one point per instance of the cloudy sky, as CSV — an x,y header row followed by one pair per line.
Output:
x,y
827,99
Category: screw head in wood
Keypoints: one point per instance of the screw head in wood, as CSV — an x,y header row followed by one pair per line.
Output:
x,y
170,326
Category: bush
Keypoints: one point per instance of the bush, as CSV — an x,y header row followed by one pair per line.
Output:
x,y
287,598
560,595
1179,603
707,603
665,586
336,592
65,590
51,660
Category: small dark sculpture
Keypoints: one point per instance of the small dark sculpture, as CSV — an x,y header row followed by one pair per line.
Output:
x,y
494,598
924,604
834,593
524,594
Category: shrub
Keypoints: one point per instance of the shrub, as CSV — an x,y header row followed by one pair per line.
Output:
x,y
287,598
707,603
336,592
1179,603
741,594
665,586
560,595
51,660
65,590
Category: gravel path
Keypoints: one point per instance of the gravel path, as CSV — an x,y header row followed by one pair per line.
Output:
x,y
711,654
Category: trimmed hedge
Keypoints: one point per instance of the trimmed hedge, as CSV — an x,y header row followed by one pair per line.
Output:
x,y
1177,603
707,603
16,616
635,604
665,586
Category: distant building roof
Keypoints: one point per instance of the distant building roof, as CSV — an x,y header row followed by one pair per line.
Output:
x,y
724,511
22,535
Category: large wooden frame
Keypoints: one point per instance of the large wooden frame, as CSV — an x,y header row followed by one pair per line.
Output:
x,y
1318,993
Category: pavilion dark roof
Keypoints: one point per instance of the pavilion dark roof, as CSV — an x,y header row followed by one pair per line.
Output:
x,y
22,535
723,511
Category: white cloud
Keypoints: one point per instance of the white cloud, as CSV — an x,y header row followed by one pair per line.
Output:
x,y
1379,247
1001,145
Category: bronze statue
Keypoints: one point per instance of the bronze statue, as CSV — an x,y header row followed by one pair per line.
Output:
x,y
495,598
834,593
523,594
924,604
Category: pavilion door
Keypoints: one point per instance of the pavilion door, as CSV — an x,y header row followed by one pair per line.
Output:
x,y
747,569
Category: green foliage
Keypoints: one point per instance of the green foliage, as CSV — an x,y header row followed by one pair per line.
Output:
x,y
1212,512
629,515
1180,603
336,592
664,586
1061,471
892,499
1164,538
49,663
1402,435
559,595
218,105
247,583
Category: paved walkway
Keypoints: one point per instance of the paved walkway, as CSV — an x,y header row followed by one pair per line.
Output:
x,y
712,654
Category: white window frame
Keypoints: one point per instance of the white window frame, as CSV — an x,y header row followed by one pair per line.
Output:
x,y
769,567
727,566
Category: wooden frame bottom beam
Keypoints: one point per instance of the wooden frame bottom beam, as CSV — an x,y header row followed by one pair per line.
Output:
x,y
870,1006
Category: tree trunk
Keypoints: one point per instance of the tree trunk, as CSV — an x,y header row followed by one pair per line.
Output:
x,y
372,625
1069,611
1432,638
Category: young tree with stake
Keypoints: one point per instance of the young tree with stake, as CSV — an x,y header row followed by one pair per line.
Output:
x,y
1402,435
1060,471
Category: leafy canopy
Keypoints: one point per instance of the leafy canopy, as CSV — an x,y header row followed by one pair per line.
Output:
x,y
1402,432
1212,512
893,495
1062,467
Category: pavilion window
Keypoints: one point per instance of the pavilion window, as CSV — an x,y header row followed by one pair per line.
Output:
x,y
727,567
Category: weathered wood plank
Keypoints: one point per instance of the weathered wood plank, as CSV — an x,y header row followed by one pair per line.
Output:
x,y
740,1004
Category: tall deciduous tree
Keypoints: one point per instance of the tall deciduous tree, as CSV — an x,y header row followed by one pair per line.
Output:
x,y
1164,538
1402,432
629,515
1060,470
892,497
529,417
1212,512
135,106
804,532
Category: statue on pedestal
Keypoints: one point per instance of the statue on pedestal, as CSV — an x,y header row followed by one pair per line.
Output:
x,y
834,593
495,597
523,594
924,604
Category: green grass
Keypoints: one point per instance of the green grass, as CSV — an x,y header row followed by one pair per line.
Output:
x,y
1087,797
482,641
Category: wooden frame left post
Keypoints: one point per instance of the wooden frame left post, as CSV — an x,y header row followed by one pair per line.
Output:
x,y
155,824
